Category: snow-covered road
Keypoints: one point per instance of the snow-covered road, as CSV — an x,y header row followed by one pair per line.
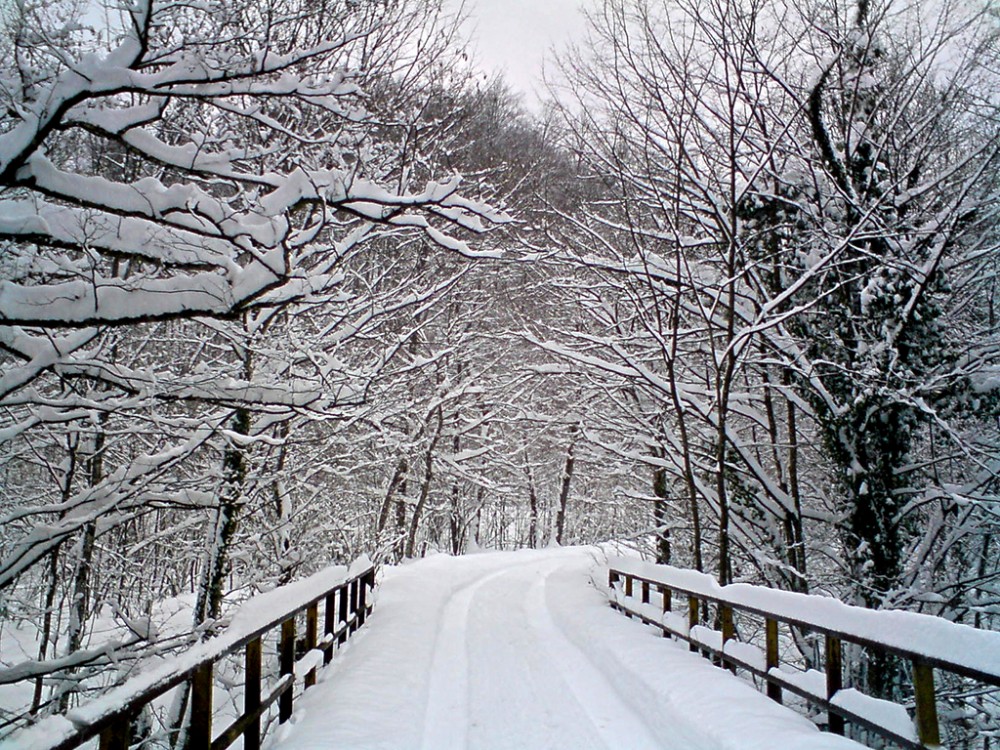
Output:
x,y
520,650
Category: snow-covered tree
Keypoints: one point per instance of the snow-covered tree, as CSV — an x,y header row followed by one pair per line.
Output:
x,y
787,297
189,193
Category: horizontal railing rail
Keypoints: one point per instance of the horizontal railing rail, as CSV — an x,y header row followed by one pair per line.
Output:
x,y
926,642
346,600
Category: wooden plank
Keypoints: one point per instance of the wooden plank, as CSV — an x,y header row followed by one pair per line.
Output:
x,y
286,652
926,718
771,656
834,680
645,592
200,728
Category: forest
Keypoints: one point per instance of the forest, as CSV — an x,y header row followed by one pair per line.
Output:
x,y
284,282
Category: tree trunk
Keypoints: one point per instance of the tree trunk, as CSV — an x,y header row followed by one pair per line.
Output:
x,y
567,478
532,508
797,540
425,486
397,481
455,516
50,595
661,514
80,605
211,591
231,499
690,486
46,634
399,549
282,507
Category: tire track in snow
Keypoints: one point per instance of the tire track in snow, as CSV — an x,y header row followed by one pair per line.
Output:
x,y
516,699
446,717
612,717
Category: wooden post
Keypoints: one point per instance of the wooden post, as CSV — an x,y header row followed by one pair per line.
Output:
x,y
117,736
312,626
287,666
312,638
354,603
613,578
371,587
692,617
665,592
628,593
329,624
834,681
728,633
927,718
251,693
645,592
342,610
200,729
771,656
362,600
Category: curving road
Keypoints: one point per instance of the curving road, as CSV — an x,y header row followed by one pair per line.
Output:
x,y
502,651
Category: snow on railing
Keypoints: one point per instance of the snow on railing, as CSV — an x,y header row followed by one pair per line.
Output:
x,y
346,604
925,641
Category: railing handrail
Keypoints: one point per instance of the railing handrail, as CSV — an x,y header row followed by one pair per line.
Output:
x,y
976,641
788,610
64,732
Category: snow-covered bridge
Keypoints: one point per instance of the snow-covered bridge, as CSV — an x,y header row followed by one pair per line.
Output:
x,y
521,650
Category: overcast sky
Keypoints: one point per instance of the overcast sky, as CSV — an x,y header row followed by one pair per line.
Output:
x,y
514,36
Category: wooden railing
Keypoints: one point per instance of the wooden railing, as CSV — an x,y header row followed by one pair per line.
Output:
x,y
346,604
957,649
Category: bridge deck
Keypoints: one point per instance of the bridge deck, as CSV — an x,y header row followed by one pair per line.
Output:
x,y
520,650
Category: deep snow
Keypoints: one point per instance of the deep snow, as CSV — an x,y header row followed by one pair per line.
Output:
x,y
520,650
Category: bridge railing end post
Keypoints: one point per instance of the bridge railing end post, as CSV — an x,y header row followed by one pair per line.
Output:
x,y
286,667
834,681
771,656
926,713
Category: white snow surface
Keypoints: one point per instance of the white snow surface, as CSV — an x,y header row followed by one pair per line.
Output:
x,y
521,650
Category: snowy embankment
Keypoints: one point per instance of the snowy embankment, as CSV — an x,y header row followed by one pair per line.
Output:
x,y
520,650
